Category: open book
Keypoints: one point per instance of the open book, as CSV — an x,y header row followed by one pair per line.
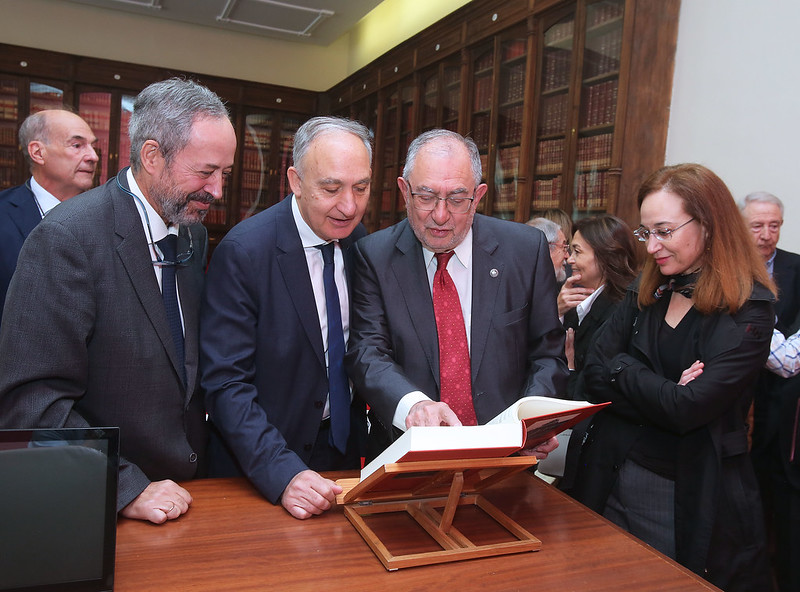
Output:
x,y
525,424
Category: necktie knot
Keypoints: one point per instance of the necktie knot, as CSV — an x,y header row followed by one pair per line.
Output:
x,y
442,259
327,252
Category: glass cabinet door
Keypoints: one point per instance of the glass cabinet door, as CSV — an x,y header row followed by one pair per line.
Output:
x,y
10,156
481,115
44,96
255,166
552,127
124,152
513,57
451,96
599,86
95,109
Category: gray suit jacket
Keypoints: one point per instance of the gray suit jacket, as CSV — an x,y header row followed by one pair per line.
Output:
x,y
517,342
85,339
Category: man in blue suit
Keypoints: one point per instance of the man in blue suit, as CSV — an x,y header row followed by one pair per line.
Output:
x,y
59,149
264,328
506,289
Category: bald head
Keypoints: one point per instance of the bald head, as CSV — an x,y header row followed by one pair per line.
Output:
x,y
58,146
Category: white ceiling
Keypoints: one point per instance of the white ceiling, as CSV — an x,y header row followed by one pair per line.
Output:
x,y
319,22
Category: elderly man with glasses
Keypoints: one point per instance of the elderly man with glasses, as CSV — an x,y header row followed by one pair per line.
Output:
x,y
454,313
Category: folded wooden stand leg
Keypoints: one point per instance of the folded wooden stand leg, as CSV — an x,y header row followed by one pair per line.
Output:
x,y
431,492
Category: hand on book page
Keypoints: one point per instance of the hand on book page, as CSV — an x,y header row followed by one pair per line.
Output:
x,y
431,413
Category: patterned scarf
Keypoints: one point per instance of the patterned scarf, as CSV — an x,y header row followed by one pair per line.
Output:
x,y
682,284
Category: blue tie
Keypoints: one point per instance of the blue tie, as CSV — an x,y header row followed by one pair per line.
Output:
x,y
338,386
169,293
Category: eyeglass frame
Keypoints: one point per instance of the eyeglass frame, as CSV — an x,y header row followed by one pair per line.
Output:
x,y
565,246
643,233
447,200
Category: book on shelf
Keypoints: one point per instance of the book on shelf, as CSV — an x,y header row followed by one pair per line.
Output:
x,y
525,424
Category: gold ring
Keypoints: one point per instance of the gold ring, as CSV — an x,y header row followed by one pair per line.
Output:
x,y
171,508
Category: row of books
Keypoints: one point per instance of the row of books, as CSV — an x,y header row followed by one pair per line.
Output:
x,y
484,61
591,191
98,118
9,109
510,125
257,139
508,160
599,103
602,54
505,196
553,114
559,32
513,84
253,158
482,97
97,99
253,180
452,76
550,156
595,151
600,13
514,49
480,130
8,157
216,214
546,193
8,136
556,68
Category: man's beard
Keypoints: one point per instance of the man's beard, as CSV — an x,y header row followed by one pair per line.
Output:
x,y
175,204
561,274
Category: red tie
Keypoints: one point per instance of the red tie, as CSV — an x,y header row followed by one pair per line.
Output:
x,y
455,384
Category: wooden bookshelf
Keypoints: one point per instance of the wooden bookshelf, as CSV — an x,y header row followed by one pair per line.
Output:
x,y
567,100
102,92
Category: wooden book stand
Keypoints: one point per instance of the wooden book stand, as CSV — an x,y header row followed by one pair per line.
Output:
x,y
421,489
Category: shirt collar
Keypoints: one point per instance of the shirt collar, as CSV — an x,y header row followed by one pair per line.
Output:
x,y
148,214
463,252
308,237
44,199
585,305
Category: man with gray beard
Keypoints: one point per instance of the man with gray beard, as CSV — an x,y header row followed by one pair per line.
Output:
x,y
101,320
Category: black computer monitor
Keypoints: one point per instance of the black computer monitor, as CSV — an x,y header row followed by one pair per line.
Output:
x,y
58,509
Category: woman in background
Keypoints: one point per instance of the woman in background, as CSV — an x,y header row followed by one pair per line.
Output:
x,y
668,460
604,263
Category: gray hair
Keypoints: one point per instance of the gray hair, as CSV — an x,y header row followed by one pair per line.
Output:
x,y
436,134
317,126
35,128
165,112
761,197
548,227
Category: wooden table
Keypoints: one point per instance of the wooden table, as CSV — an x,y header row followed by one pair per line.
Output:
x,y
232,539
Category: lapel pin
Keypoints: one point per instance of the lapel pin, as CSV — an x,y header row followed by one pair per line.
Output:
x,y
494,273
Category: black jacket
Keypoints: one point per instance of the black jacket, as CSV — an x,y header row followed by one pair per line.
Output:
x,y
719,526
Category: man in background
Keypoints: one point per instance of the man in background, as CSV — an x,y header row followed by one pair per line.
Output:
x,y
275,322
559,247
454,314
776,433
101,321
59,149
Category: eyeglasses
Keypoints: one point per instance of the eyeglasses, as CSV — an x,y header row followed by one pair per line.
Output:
x,y
564,246
427,202
180,259
662,234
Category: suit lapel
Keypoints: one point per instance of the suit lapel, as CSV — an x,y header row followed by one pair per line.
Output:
x,y
25,213
408,266
487,275
294,269
132,251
